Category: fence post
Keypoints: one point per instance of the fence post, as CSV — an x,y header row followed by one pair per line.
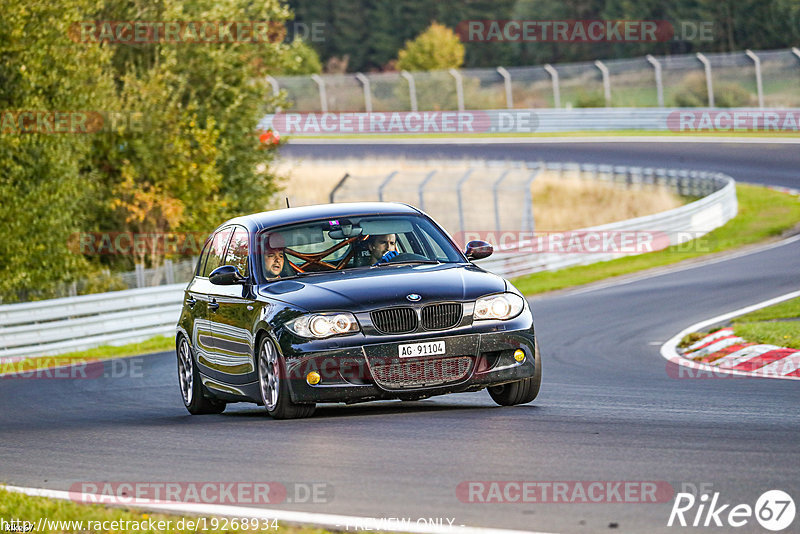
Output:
x,y
169,272
384,184
659,82
759,86
507,82
707,67
412,88
606,82
337,186
367,93
323,96
495,189
421,189
556,91
460,201
459,88
529,201
139,275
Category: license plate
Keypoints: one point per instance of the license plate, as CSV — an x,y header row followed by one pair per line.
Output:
x,y
415,350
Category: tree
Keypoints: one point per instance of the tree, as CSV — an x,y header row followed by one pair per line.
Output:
x,y
437,48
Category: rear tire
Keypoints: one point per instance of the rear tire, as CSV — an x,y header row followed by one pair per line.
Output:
x,y
192,390
523,391
274,385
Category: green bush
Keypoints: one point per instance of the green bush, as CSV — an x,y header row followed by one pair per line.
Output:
x,y
726,95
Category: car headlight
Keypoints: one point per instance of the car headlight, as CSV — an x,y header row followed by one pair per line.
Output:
x,y
503,306
322,325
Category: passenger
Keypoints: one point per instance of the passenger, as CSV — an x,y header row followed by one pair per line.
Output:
x,y
382,248
273,263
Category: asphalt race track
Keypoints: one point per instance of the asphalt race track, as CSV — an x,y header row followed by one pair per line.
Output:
x,y
610,409
771,164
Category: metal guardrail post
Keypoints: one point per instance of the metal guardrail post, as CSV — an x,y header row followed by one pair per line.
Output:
x,y
759,86
412,88
460,200
367,93
507,83
385,183
606,81
659,82
709,84
421,189
495,189
459,88
556,90
323,96
337,186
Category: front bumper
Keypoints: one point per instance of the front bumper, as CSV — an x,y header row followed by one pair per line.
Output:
x,y
375,371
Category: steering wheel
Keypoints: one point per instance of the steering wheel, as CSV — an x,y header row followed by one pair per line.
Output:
x,y
407,256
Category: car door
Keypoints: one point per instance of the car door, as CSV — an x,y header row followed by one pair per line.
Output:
x,y
202,290
233,313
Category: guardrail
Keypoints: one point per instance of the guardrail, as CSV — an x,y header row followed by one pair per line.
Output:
x,y
78,323
718,205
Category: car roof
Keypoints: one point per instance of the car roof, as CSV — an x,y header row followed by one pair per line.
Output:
x,y
279,217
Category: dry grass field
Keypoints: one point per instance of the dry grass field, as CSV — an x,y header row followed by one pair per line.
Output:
x,y
559,202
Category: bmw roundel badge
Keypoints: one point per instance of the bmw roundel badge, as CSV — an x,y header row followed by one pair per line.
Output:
x,y
413,297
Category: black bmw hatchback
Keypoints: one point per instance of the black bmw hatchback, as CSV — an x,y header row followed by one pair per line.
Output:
x,y
348,303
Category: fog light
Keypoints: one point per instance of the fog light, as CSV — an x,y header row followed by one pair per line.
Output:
x,y
312,378
519,355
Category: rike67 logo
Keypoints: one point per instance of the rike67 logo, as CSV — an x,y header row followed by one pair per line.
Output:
x,y
774,510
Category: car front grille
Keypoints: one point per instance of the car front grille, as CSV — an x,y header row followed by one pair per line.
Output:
x,y
422,373
395,320
441,316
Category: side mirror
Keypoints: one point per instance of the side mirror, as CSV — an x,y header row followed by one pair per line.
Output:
x,y
477,250
227,275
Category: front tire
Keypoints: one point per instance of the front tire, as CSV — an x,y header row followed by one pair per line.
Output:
x,y
274,386
523,391
192,390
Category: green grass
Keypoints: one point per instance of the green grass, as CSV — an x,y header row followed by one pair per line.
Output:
x,y
775,325
785,310
149,346
17,506
763,213
782,334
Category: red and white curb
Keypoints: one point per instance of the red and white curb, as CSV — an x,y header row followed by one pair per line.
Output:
x,y
332,521
721,352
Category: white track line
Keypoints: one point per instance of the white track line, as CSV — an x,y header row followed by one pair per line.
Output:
x,y
338,522
693,263
376,140
669,350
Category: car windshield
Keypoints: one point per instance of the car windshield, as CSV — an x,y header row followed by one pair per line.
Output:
x,y
350,243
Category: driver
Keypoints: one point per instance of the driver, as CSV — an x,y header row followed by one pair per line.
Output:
x,y
382,248
273,263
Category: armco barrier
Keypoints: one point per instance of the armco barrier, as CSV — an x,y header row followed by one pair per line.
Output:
x,y
78,323
718,206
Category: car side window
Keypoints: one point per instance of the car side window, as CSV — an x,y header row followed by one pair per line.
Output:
x,y
238,250
198,271
217,250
